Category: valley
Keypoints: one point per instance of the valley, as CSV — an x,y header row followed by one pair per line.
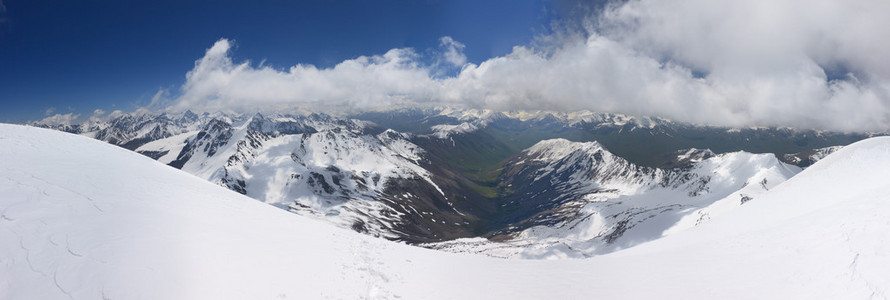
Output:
x,y
476,180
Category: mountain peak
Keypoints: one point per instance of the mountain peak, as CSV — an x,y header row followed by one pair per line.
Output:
x,y
555,149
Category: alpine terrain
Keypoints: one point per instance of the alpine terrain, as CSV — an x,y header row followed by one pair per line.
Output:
x,y
83,219
507,184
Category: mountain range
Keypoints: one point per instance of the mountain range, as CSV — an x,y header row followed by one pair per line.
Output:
x,y
82,219
506,184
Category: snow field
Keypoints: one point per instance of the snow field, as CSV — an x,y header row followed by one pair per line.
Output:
x,y
83,219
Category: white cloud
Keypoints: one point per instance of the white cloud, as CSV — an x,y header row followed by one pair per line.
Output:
x,y
115,114
216,82
454,51
61,119
816,64
771,60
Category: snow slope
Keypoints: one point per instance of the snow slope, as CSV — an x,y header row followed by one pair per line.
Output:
x,y
83,219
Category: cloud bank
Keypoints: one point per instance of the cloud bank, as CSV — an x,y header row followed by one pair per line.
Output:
x,y
810,64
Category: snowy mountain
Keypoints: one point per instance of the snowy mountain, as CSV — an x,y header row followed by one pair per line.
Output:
x,y
807,158
570,199
426,176
82,219
622,134
339,170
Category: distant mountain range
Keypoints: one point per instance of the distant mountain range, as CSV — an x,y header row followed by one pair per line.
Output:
x,y
508,184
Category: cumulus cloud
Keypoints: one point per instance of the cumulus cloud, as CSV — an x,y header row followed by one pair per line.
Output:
x,y
814,64
807,63
454,51
218,83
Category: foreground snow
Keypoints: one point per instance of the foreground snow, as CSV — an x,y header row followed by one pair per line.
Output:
x,y
86,220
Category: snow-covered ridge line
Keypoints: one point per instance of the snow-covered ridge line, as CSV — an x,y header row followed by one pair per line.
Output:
x,y
443,131
341,170
80,219
555,149
474,119
316,166
83,219
483,116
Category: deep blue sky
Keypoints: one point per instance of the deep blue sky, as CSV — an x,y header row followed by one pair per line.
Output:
x,y
82,55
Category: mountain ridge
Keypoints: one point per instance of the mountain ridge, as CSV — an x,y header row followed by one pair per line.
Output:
x,y
82,219
447,179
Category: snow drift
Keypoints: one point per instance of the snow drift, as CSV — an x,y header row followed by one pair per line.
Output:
x,y
83,219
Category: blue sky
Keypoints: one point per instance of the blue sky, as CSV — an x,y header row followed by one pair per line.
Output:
x,y
83,55
821,64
